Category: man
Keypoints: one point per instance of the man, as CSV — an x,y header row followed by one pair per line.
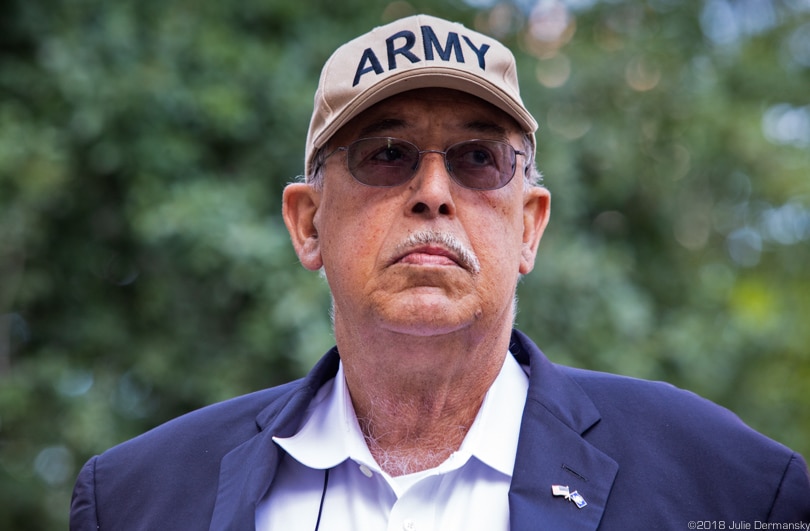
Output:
x,y
421,206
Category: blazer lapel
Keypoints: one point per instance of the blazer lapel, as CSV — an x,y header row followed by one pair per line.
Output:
x,y
247,471
552,451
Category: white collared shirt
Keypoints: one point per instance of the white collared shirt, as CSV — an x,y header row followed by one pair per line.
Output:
x,y
467,492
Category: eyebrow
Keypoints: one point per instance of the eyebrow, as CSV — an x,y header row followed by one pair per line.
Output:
x,y
393,124
382,126
488,128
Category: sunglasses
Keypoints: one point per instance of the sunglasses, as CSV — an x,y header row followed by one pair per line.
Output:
x,y
473,164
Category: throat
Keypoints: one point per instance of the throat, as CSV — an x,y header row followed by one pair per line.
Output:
x,y
405,438
409,457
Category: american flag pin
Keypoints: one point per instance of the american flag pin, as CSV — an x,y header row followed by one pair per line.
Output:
x,y
560,490
564,492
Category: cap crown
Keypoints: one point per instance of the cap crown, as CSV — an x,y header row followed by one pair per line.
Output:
x,y
415,52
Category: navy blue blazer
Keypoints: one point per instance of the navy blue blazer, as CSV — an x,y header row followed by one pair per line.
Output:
x,y
643,455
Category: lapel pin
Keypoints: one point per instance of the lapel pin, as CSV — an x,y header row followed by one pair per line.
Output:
x,y
563,491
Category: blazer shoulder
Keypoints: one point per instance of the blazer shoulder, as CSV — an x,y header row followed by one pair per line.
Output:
x,y
222,425
686,456
655,404
169,477
660,433
154,476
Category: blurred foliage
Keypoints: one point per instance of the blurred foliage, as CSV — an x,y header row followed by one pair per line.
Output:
x,y
145,270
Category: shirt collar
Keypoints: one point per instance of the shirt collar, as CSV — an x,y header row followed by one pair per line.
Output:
x,y
331,433
493,437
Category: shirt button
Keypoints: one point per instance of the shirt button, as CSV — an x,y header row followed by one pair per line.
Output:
x,y
366,471
408,525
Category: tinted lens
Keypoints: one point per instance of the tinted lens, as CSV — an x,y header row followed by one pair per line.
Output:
x,y
482,164
382,161
476,164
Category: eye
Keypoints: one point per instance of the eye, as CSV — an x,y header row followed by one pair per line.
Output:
x,y
473,156
387,152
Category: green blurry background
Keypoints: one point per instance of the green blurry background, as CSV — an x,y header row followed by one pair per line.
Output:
x,y
145,270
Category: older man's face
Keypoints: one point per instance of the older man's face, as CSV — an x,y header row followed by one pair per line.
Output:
x,y
426,257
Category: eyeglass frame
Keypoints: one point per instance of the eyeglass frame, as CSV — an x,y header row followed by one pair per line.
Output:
x,y
322,161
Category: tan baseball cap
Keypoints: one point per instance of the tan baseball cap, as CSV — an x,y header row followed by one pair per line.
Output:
x,y
415,52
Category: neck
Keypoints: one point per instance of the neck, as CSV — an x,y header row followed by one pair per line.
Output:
x,y
415,400
406,434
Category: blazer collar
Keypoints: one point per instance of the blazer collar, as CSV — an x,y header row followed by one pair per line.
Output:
x,y
552,450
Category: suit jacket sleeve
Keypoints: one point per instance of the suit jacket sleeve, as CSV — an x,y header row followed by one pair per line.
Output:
x,y
792,503
83,515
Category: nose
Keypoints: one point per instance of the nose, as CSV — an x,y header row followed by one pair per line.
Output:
x,y
431,188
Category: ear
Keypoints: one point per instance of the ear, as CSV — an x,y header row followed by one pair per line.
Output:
x,y
536,212
300,203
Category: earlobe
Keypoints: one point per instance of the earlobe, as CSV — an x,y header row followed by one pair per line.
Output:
x,y
300,203
536,212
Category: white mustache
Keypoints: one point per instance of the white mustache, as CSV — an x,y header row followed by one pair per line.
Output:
x,y
465,255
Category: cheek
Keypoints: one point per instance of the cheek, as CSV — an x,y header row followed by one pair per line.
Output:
x,y
499,240
502,222
351,237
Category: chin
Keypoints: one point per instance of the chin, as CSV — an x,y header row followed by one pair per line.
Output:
x,y
430,316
